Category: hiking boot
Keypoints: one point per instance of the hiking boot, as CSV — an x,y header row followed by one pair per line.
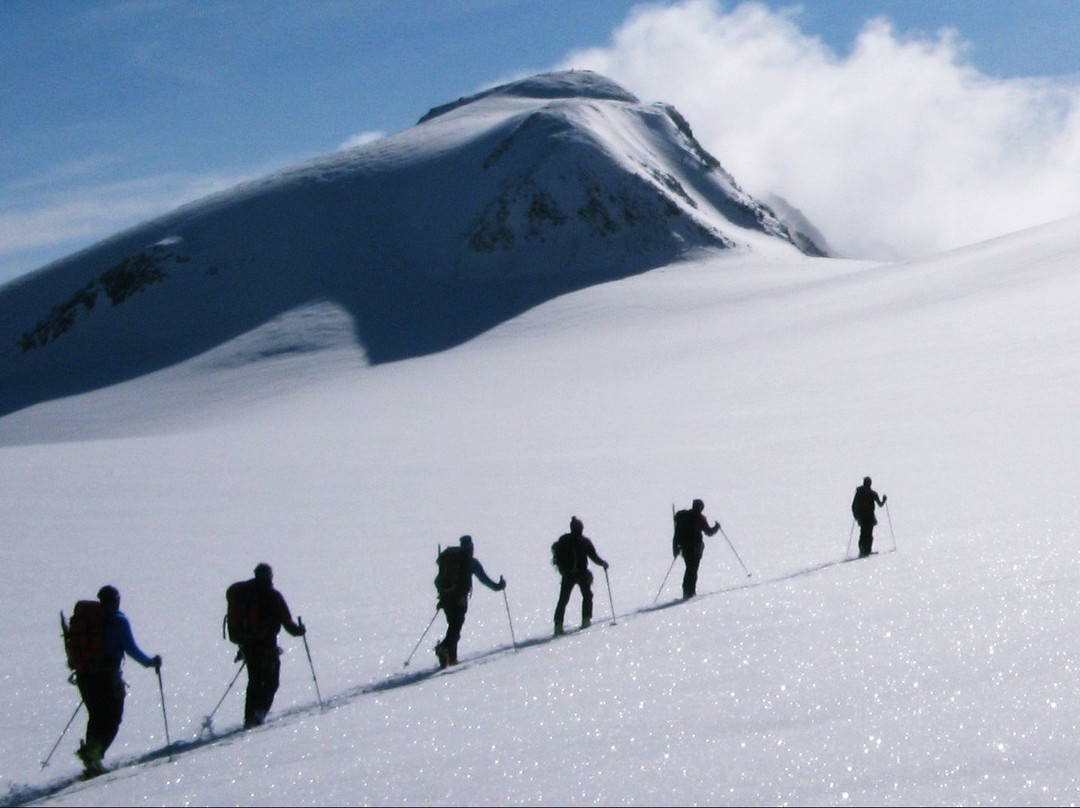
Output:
x,y
559,630
586,622
443,655
90,754
256,719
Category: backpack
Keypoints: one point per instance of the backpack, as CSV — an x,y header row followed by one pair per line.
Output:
x,y
454,578
684,528
862,506
84,637
564,555
244,619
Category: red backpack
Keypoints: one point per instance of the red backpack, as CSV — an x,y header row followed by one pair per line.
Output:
x,y
84,637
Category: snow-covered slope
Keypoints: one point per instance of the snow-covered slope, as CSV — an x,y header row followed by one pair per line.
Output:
x,y
419,241
940,671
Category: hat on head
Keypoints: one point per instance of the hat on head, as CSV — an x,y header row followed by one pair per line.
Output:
x,y
109,595
263,572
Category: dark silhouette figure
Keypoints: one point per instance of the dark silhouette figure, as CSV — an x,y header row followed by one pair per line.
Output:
x,y
570,554
862,508
101,684
265,613
690,526
457,567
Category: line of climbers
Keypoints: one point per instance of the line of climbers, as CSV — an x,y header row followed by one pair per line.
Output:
x,y
99,634
572,552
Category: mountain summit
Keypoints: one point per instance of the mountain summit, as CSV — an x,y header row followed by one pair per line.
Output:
x,y
405,246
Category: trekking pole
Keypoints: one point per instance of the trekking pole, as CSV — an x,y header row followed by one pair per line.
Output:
x,y
736,552
506,600
207,722
307,650
161,690
669,569
426,630
889,515
610,601
67,726
851,535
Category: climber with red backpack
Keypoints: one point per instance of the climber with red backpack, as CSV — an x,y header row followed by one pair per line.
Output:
x,y
96,639
256,613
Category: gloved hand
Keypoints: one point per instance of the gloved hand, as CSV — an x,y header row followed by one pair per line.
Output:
x,y
604,564
502,584
674,552
884,499
302,631
156,662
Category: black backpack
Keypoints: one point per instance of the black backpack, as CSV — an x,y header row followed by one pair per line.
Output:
x,y
564,555
244,618
454,578
862,506
684,528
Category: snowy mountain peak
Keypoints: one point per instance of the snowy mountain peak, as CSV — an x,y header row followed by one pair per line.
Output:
x,y
488,207
577,84
572,132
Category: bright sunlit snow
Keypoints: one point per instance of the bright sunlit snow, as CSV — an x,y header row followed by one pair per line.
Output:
x,y
765,382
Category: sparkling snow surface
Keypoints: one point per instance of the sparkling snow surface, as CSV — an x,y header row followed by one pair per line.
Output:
x,y
941,673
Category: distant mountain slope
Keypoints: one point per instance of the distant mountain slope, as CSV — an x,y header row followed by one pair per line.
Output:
x,y
487,207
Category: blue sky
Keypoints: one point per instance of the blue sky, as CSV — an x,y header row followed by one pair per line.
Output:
x,y
118,110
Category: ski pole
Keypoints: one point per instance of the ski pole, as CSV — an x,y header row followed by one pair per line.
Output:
x,y
669,569
851,535
736,552
506,600
67,726
426,630
610,601
161,690
889,515
307,650
209,719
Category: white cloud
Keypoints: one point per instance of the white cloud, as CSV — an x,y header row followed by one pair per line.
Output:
x,y
898,149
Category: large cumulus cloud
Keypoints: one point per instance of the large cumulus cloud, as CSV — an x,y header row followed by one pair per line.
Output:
x,y
897,149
